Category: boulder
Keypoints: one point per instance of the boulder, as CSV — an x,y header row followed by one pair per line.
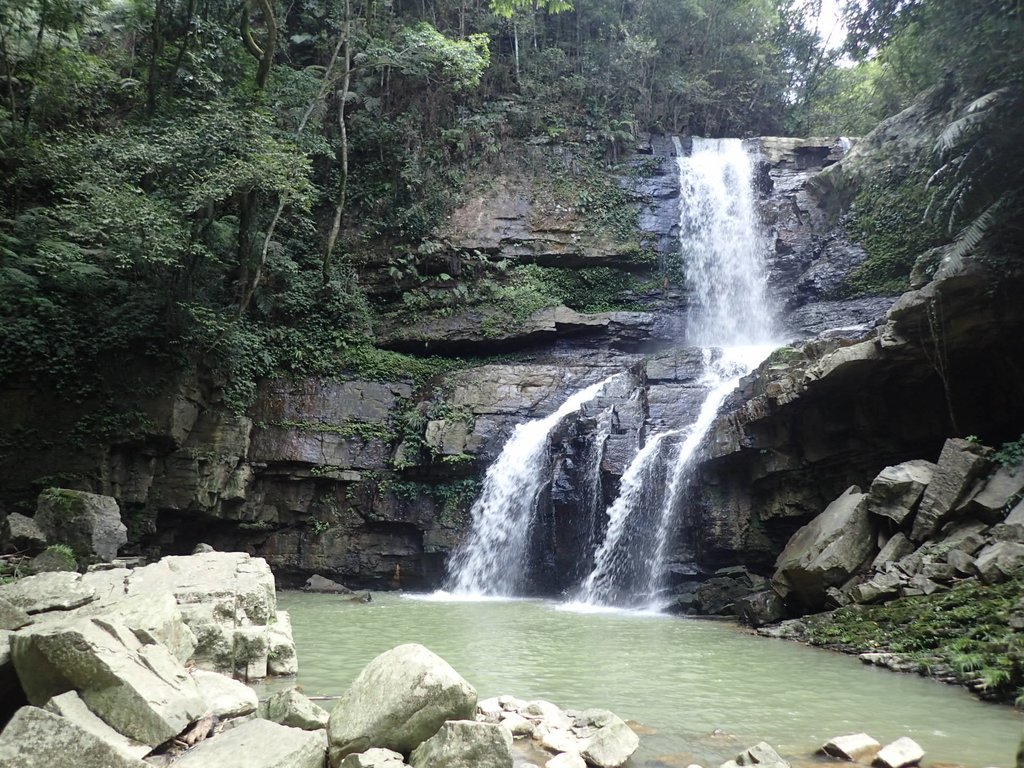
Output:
x,y
54,558
374,758
465,744
258,744
960,464
760,608
140,690
761,754
154,618
202,549
516,724
827,551
961,562
607,740
25,534
854,747
398,701
899,546
317,583
71,707
989,501
895,492
882,587
53,591
225,697
292,708
88,523
1016,516
566,760
902,753
11,616
999,561
281,656
35,738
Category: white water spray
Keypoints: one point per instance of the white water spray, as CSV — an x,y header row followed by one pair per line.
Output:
x,y
491,561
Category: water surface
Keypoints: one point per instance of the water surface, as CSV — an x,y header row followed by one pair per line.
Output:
x,y
707,688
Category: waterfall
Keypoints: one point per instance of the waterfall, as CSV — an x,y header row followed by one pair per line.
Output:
x,y
723,247
491,561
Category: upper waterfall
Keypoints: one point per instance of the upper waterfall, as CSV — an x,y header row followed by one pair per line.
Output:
x,y
723,247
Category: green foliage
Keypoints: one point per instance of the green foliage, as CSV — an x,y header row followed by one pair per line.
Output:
x,y
1010,454
887,219
62,553
967,628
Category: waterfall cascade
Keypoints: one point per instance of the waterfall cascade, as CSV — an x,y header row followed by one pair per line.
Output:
x,y
724,249
491,559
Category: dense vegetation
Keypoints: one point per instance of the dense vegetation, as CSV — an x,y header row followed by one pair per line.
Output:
x,y
970,634
247,185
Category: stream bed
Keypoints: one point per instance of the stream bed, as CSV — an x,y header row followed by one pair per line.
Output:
x,y
705,688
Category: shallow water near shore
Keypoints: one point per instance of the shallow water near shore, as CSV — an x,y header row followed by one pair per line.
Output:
x,y
706,688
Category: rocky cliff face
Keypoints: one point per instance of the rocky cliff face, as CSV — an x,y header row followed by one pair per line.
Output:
x,y
371,482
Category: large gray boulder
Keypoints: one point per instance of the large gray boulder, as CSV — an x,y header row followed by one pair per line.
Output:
x,y
258,744
827,551
71,707
902,753
292,708
852,747
992,496
607,741
227,599
882,587
465,744
88,523
35,738
141,691
897,489
999,561
961,463
896,548
24,533
398,701
51,591
760,608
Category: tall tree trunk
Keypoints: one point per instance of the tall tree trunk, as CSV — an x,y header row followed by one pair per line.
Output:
x,y
264,55
339,208
156,50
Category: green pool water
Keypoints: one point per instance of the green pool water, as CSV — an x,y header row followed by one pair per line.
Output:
x,y
705,688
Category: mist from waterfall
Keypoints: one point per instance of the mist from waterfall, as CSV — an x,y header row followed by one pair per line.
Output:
x,y
491,561
724,248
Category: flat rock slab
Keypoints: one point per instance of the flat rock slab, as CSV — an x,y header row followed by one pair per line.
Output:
x,y
258,744
142,691
11,616
224,696
48,592
855,746
35,738
902,753
71,707
465,744
398,701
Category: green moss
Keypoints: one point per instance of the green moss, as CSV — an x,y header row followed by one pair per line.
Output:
x,y
887,219
967,629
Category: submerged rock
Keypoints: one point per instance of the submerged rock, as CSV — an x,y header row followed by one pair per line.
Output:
x,y
854,747
902,753
398,701
318,583
761,754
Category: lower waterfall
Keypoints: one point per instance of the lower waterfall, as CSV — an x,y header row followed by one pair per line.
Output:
x,y
491,561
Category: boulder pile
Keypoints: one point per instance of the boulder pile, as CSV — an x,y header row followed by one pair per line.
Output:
x,y
919,528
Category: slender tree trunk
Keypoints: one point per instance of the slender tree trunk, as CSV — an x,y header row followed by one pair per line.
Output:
x,y
515,47
339,209
264,55
156,50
